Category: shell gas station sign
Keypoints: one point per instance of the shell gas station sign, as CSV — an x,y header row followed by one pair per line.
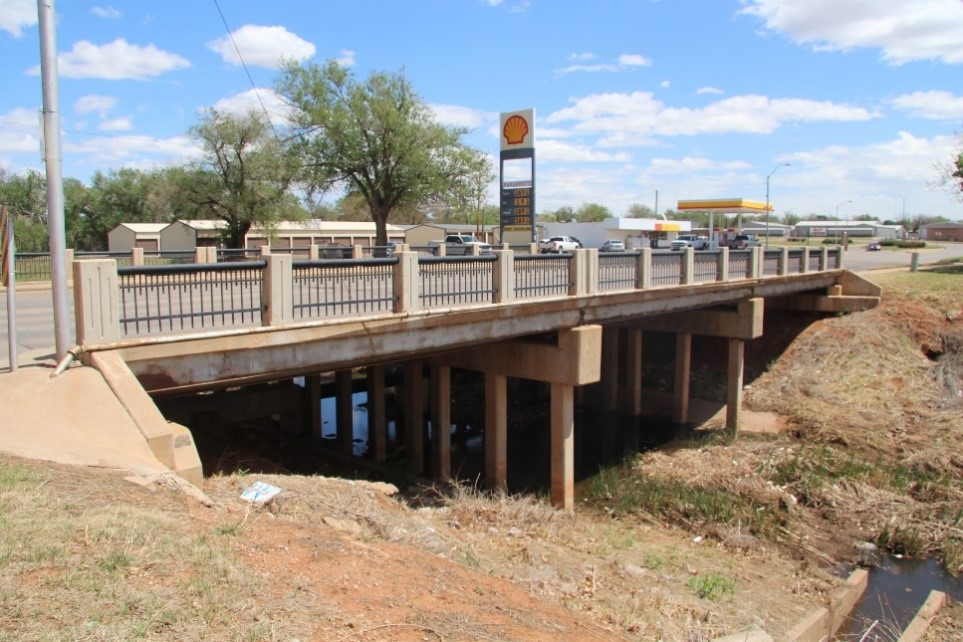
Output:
x,y
517,175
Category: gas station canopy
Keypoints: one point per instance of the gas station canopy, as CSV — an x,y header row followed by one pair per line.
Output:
x,y
724,205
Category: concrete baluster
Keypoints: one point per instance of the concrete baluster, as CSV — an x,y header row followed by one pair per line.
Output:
x,y
137,256
643,280
504,276
722,273
688,266
96,301
405,282
277,290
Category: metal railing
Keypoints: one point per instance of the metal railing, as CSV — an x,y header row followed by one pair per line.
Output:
x,y
667,268
539,275
175,298
324,289
618,270
32,266
456,280
169,257
243,254
705,267
771,259
740,264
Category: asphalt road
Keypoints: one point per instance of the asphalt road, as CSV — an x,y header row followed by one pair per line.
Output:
x,y
35,323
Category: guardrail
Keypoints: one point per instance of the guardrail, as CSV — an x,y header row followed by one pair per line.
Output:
x,y
114,302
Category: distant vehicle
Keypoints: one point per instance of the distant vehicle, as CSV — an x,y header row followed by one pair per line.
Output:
x,y
558,244
694,241
874,246
460,245
580,244
741,241
612,245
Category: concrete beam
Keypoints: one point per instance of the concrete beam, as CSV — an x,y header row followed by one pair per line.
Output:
x,y
745,322
496,431
575,360
563,447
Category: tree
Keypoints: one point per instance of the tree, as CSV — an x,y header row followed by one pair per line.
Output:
x,y
637,210
951,172
376,139
592,213
243,176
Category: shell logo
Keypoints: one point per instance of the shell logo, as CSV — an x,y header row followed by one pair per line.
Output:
x,y
515,130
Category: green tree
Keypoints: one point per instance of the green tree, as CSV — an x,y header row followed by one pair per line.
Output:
x,y
376,139
637,210
243,176
592,213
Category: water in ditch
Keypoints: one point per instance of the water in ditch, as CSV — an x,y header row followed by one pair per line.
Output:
x,y
897,589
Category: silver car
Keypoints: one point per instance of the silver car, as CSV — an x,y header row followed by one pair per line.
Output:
x,y
612,245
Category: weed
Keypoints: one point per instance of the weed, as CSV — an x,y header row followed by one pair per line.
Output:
x,y
229,529
713,586
114,560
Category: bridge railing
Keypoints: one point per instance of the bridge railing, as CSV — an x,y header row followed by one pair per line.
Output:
x,y
115,302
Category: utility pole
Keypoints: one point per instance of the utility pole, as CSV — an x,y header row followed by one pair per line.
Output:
x,y
55,180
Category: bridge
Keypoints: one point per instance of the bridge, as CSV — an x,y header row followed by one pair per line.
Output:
x,y
567,320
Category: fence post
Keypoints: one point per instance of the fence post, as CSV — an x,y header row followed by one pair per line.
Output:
x,y
643,271
265,249
313,252
211,254
722,273
688,266
200,255
96,301
277,290
70,269
755,262
783,262
504,276
804,261
405,282
580,272
839,259
824,259
136,256
357,252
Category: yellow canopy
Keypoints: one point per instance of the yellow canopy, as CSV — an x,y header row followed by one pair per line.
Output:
x,y
725,205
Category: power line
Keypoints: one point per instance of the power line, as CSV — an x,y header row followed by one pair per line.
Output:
x,y
230,35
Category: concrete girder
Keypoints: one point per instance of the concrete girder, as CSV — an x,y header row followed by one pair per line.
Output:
x,y
745,322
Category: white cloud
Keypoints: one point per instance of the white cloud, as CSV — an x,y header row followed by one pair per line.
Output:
x,y
637,118
345,58
458,116
278,110
262,46
558,151
118,60
933,105
106,12
903,31
665,84
709,90
131,151
581,57
689,164
634,60
95,104
20,131
122,124
17,14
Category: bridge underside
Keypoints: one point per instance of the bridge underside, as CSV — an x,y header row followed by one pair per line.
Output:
x,y
565,342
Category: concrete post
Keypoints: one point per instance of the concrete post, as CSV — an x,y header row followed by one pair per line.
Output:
x,y
644,269
722,273
688,266
579,272
504,276
633,371
377,422
441,249
414,416
137,256
96,302
683,365
610,369
914,261
357,252
405,282
755,262
734,385
496,431
533,248
212,254
804,261
344,413
441,421
200,255
312,396
824,259
563,447
277,290
783,261
839,259
265,249
313,253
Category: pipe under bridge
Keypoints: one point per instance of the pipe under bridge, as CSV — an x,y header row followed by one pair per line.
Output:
x,y
563,320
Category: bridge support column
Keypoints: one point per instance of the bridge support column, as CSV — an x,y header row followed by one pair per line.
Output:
x,y
441,421
377,422
496,431
563,446
312,399
737,353
345,411
683,366
610,369
414,416
633,371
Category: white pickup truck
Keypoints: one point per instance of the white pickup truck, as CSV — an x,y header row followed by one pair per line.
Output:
x,y
558,244
694,241
460,245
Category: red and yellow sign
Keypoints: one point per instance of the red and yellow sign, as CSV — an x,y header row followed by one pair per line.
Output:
x,y
518,129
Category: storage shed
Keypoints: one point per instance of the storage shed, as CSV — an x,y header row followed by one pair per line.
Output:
x,y
127,236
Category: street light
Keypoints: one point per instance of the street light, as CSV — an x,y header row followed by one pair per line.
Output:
x,y
837,208
774,170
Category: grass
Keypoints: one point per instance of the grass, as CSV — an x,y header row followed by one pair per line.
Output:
x,y
712,586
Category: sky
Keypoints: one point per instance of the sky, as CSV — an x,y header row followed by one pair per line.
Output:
x,y
836,107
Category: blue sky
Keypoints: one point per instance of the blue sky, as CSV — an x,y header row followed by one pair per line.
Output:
x,y
689,99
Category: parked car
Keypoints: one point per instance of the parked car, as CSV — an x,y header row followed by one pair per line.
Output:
x,y
694,241
559,244
742,241
460,245
874,246
612,245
